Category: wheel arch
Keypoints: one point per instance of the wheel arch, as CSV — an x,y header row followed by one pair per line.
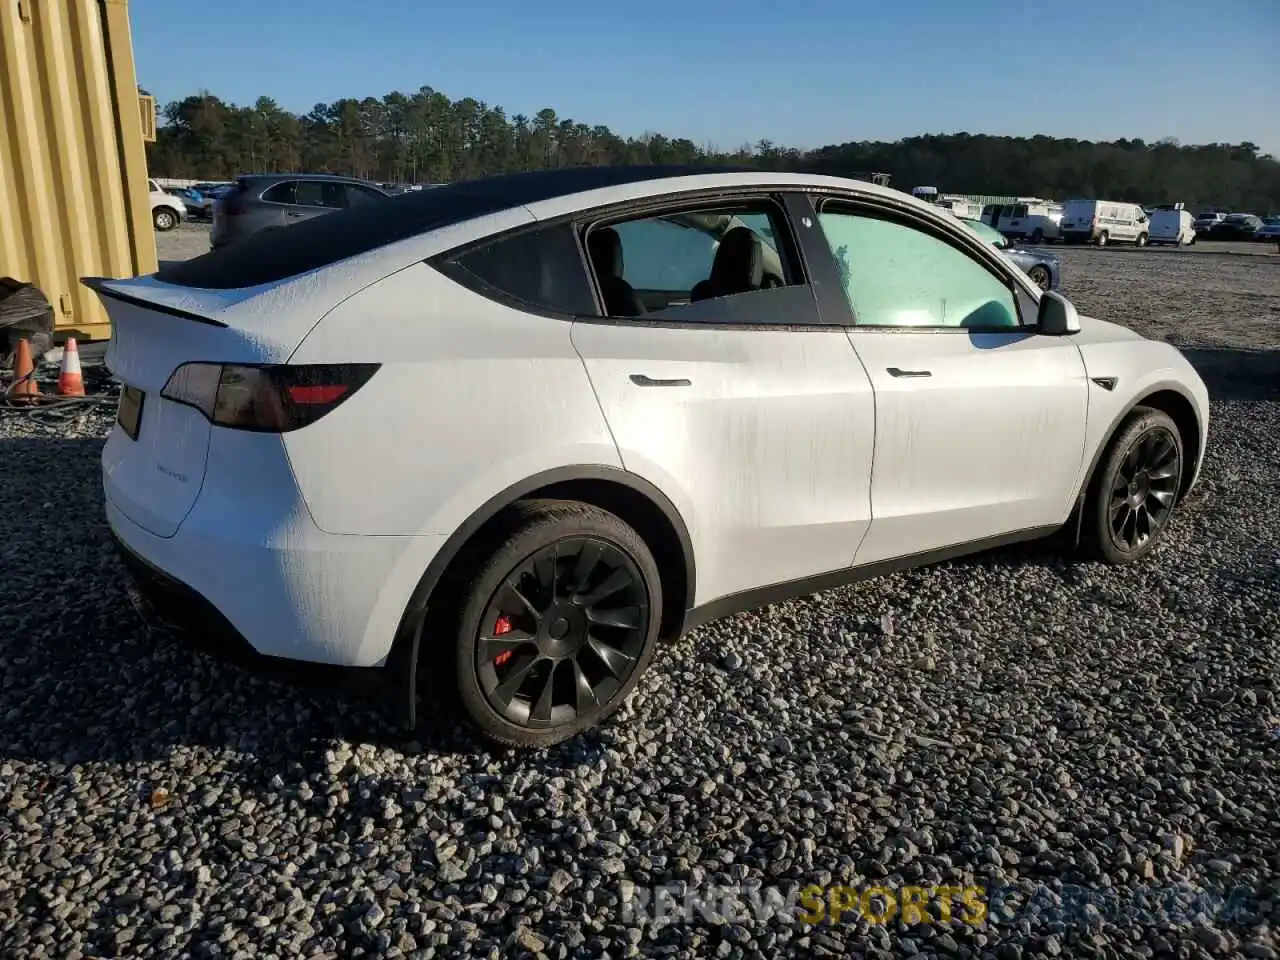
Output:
x,y
1181,409
632,498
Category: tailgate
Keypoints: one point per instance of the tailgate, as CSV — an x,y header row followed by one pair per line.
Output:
x,y
154,460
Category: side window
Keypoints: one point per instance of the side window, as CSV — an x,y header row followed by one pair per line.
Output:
x,y
311,193
542,268
334,195
660,255
357,196
281,193
898,276
649,265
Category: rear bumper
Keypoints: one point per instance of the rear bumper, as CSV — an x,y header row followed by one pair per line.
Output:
x,y
274,585
165,602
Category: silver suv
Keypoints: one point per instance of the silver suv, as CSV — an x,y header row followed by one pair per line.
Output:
x,y
272,201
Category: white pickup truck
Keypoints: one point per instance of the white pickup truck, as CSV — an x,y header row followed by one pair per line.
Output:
x,y
167,210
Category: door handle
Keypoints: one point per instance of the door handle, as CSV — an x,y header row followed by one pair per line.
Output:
x,y
640,380
898,372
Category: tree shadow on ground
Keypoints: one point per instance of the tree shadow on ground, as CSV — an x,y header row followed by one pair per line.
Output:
x,y
1231,373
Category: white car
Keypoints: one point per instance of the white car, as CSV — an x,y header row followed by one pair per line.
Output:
x,y
167,211
503,436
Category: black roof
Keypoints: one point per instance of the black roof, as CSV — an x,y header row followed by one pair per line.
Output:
x,y
300,176
275,254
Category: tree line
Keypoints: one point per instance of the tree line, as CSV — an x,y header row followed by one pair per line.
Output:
x,y
425,137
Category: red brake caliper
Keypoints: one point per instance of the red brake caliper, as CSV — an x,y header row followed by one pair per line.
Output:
x,y
502,625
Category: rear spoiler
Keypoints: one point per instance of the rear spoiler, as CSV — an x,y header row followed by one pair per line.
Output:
x,y
103,287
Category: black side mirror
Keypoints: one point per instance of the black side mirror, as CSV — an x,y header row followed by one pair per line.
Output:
x,y
1057,316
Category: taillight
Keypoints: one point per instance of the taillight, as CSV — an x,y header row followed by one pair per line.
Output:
x,y
265,399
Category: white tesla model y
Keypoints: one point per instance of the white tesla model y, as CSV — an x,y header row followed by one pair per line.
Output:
x,y
506,435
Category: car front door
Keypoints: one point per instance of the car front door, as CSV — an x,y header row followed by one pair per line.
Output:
x,y
980,420
722,386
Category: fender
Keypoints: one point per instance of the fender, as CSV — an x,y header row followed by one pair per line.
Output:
x,y
401,666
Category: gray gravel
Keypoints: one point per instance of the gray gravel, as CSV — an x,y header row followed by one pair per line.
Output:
x,y
1012,720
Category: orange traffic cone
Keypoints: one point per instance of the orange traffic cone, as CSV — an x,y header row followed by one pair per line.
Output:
x,y
24,386
70,380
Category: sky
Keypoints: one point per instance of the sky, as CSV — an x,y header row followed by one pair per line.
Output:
x,y
801,73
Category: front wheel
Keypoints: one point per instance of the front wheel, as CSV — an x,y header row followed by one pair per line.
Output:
x,y
1103,238
556,627
1134,489
1142,239
165,219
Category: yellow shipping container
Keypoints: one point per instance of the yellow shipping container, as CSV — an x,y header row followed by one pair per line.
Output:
x,y
73,166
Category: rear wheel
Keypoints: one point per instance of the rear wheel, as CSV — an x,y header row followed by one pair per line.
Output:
x,y
1135,488
556,627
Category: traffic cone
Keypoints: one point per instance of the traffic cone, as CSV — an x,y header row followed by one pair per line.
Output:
x,y
24,386
70,380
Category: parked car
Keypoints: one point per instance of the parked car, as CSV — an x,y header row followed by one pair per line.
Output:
x,y
1235,227
1172,226
432,441
1042,267
1103,222
1206,221
167,210
1269,232
274,201
1034,220
198,206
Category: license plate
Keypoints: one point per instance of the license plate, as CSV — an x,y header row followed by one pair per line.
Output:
x,y
129,414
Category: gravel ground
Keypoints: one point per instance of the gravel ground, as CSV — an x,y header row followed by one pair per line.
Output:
x,y
1009,720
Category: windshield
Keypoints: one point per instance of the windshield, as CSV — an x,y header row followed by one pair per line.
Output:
x,y
989,234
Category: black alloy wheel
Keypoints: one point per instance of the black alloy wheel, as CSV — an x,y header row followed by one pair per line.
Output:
x,y
560,625
1040,274
1137,489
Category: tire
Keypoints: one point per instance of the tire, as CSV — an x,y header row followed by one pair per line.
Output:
x,y
1147,444
1142,239
1037,235
164,219
1103,238
1040,275
528,651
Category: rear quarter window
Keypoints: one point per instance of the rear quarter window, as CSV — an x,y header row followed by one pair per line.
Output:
x,y
281,192
541,268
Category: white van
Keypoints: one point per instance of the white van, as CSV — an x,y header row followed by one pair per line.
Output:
x,y
1103,222
1176,227
962,207
1030,219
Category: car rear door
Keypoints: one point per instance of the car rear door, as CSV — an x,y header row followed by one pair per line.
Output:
x,y
749,408
979,420
313,198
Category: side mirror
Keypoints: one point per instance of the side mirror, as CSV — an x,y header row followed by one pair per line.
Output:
x,y
1057,316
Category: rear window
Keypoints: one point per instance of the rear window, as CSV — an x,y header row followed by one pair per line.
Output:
x,y
277,254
